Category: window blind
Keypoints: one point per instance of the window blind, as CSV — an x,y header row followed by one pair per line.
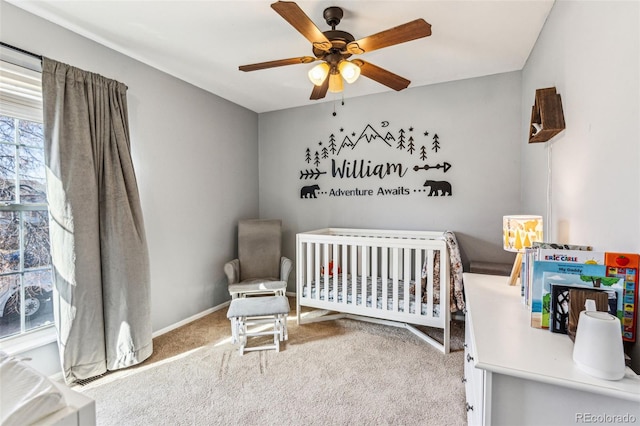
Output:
x,y
20,92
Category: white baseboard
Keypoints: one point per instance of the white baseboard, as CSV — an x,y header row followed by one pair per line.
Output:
x,y
190,319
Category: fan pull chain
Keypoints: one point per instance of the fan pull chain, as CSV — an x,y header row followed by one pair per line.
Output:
x,y
334,105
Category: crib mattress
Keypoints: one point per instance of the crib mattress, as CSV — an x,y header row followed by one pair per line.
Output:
x,y
379,300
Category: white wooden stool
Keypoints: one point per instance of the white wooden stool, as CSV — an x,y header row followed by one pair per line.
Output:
x,y
271,310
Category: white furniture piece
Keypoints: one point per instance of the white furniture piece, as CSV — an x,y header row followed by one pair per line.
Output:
x,y
518,375
27,397
269,310
80,410
375,275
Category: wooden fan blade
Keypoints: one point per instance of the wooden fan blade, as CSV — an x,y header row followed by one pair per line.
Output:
x,y
381,75
278,63
320,92
396,35
295,16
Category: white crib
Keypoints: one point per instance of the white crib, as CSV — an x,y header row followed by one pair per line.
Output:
x,y
376,276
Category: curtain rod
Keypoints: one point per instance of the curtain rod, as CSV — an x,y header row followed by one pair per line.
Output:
x,y
17,49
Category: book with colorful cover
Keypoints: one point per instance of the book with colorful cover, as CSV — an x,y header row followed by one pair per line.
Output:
x,y
625,266
555,252
559,246
526,274
571,256
546,273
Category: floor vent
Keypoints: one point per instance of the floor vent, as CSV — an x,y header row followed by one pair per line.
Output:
x,y
84,382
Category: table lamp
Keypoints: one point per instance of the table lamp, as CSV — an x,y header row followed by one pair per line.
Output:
x,y
518,232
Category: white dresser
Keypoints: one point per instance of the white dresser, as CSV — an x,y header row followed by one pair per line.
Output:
x,y
518,375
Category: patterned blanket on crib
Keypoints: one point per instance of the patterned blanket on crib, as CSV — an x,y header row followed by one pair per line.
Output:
x,y
456,285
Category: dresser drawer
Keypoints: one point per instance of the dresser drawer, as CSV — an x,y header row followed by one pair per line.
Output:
x,y
473,378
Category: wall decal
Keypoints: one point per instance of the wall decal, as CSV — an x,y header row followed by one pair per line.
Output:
x,y
423,152
438,187
309,191
349,165
311,174
445,166
436,143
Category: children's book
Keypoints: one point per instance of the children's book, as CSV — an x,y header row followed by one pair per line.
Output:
x,y
558,246
571,256
546,273
625,266
552,252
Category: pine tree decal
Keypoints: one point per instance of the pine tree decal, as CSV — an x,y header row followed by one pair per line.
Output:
x,y
332,143
325,152
411,147
307,157
436,143
316,159
423,153
401,140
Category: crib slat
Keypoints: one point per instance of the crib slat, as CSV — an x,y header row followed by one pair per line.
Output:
x,y
309,273
418,282
444,284
336,276
430,255
316,269
407,277
354,273
395,271
345,272
364,278
385,278
374,278
325,268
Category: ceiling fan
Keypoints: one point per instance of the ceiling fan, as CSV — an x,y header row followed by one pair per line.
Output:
x,y
334,47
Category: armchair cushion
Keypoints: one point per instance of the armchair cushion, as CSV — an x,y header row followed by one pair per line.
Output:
x,y
259,249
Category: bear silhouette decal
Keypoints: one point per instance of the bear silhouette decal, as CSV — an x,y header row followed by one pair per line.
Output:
x,y
438,187
309,191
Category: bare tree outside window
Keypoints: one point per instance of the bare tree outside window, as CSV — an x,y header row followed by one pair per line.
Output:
x,y
25,260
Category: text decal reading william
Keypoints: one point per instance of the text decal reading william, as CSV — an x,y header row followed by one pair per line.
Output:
x,y
339,167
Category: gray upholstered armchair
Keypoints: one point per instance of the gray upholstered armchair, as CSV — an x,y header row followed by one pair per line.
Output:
x,y
260,266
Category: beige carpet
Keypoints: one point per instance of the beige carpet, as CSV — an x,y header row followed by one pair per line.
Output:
x,y
331,373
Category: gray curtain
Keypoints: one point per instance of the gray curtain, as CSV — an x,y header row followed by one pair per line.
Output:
x,y
98,244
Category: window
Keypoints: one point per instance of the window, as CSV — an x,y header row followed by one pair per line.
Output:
x,y
26,297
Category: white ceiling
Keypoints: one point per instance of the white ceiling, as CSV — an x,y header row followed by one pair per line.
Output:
x,y
203,42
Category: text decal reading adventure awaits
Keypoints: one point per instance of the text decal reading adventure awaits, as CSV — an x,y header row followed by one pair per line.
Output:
x,y
343,165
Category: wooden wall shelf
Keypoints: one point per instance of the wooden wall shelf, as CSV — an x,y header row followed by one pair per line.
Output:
x,y
547,118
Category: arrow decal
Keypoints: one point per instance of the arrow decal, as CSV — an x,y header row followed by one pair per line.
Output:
x,y
311,174
445,166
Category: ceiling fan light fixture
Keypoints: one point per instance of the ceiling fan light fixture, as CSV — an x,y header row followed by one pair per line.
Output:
x,y
349,71
318,74
335,83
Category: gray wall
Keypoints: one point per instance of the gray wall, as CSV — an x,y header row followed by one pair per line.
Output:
x,y
478,123
590,51
196,160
